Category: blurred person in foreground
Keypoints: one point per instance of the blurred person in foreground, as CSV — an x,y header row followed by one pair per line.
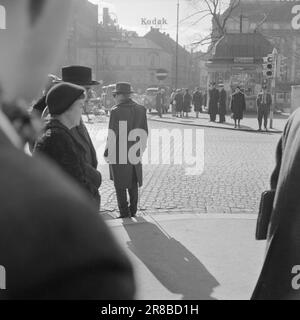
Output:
x,y
51,237
126,143
279,277
65,102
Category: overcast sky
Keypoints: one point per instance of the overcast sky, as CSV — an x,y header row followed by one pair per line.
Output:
x,y
130,13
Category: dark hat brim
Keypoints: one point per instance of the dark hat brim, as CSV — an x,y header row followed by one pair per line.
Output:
x,y
122,92
79,83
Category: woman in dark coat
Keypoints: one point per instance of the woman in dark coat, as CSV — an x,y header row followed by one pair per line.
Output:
x,y
237,107
179,103
187,101
65,102
197,102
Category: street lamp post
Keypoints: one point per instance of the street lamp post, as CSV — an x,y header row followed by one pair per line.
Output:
x,y
177,31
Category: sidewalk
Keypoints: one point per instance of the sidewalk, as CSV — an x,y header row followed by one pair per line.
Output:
x,y
249,123
192,256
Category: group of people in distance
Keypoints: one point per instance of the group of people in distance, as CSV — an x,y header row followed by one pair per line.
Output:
x,y
237,105
181,101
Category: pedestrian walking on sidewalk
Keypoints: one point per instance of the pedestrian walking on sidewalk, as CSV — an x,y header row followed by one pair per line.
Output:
x,y
125,171
222,104
65,102
187,102
179,103
263,102
279,277
172,103
160,101
197,102
237,107
213,102
51,237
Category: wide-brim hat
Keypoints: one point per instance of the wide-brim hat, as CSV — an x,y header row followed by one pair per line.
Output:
x,y
79,75
123,88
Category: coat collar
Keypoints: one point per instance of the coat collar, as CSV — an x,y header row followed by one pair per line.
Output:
x,y
128,102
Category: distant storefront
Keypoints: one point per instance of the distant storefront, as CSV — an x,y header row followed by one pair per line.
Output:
x,y
237,61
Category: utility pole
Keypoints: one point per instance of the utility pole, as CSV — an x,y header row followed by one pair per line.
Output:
x,y
273,86
97,61
177,31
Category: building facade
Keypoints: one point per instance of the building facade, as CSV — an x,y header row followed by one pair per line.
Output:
x,y
279,22
187,70
237,61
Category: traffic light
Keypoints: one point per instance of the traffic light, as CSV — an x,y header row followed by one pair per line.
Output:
x,y
281,66
268,66
265,83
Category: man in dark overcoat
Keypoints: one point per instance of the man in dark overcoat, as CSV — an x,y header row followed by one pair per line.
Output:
x,y
197,102
222,104
178,102
213,102
279,277
53,243
263,102
126,118
187,101
160,101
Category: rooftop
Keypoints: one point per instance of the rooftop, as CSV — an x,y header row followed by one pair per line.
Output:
x,y
242,45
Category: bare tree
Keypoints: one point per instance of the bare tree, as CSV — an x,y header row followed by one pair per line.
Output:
x,y
219,11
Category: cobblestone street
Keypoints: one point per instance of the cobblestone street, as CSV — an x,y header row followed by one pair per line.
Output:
x,y
237,169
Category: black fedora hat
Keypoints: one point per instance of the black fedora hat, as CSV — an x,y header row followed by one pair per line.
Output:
x,y
79,75
123,87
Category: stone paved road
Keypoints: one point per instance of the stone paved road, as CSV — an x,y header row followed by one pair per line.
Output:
x,y
237,169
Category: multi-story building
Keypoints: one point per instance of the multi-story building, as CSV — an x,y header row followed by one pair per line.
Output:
x,y
82,31
115,54
187,73
279,22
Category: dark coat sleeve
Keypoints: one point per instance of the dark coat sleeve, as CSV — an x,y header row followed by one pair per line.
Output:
x,y
60,148
145,127
113,127
243,102
275,174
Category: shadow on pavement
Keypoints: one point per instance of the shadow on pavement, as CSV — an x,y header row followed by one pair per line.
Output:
x,y
174,266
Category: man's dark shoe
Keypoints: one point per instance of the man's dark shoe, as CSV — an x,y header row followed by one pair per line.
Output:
x,y
123,217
